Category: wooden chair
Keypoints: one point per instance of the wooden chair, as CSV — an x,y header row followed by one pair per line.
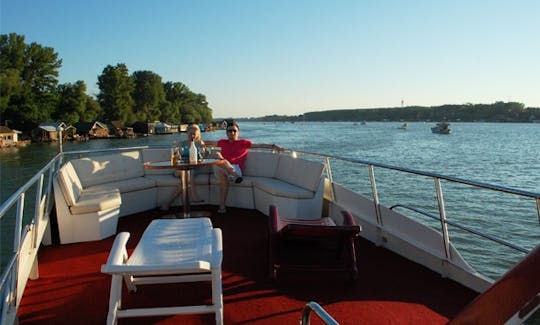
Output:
x,y
312,244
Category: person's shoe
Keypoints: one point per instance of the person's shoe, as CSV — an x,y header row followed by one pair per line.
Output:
x,y
222,210
238,180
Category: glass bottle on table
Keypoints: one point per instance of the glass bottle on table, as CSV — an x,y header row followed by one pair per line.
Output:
x,y
193,157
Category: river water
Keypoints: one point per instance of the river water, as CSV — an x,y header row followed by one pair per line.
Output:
x,y
497,153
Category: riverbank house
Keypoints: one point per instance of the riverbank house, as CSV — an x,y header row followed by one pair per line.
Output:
x,y
47,131
141,127
92,129
8,137
118,129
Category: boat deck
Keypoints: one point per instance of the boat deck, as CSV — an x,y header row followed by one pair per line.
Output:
x,y
390,289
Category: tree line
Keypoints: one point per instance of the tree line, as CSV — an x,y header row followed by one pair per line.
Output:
x,y
496,112
30,92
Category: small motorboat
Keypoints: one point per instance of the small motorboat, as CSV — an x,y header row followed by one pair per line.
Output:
x,y
404,126
441,128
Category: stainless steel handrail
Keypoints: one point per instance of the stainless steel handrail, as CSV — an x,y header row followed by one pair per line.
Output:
x,y
9,290
442,217
439,195
13,198
464,228
497,188
319,311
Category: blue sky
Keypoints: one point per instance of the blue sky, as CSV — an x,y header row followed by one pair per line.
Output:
x,y
256,58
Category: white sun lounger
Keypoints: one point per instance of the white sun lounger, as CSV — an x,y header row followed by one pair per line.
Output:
x,y
170,251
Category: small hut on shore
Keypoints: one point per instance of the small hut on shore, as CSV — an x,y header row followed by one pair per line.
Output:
x,y
47,131
118,129
141,127
92,130
10,137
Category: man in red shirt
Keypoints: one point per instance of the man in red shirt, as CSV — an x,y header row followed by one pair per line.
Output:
x,y
234,151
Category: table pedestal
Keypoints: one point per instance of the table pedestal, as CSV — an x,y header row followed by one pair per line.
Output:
x,y
185,178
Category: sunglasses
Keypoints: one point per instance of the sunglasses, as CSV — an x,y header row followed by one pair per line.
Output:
x,y
232,131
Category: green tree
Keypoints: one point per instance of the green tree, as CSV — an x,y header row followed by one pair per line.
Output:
x,y
191,107
148,95
9,85
168,113
204,111
176,93
116,87
28,81
92,111
71,102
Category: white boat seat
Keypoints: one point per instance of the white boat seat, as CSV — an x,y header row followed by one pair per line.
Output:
x,y
124,186
277,187
96,201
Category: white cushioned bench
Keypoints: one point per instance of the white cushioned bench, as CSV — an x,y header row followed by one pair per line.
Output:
x,y
92,193
84,215
295,185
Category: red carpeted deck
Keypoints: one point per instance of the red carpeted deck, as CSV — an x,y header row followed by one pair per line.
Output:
x,y
390,290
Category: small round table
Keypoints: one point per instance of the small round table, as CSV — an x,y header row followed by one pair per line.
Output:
x,y
185,167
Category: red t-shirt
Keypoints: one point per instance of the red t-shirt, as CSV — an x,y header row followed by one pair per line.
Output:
x,y
234,151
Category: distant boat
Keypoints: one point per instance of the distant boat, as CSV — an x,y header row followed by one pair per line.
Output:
x,y
441,128
404,126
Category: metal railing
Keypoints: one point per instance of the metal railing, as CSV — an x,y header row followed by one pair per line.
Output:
x,y
464,228
319,311
438,193
25,236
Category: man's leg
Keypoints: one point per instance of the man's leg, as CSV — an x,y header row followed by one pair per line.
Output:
x,y
222,175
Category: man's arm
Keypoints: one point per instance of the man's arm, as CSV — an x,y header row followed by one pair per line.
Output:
x,y
215,151
267,146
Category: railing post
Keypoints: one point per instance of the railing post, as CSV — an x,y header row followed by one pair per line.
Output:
x,y
18,223
60,147
37,210
442,217
538,209
329,175
49,190
17,249
375,195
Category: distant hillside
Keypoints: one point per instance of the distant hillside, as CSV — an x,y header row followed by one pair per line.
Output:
x,y
496,112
